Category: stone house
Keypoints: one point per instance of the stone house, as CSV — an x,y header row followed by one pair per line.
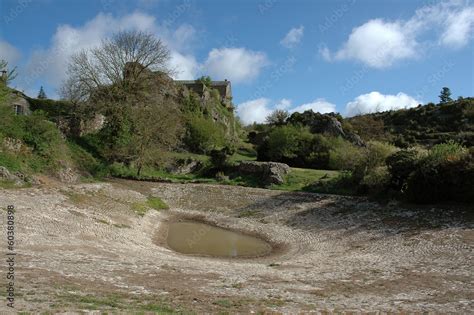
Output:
x,y
19,102
223,87
21,106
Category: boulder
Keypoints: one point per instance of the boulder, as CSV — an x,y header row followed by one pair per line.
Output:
x,y
5,175
269,172
184,166
68,175
334,127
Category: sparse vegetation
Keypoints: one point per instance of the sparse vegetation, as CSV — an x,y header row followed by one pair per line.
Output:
x,y
156,203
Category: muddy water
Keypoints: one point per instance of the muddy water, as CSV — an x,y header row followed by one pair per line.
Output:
x,y
203,239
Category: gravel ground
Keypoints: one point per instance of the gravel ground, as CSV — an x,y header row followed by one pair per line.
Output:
x,y
82,247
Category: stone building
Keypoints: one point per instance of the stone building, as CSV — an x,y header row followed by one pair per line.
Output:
x,y
20,105
223,87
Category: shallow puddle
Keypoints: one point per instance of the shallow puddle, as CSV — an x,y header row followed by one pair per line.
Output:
x,y
203,239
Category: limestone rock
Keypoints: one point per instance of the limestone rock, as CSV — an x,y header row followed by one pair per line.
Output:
x,y
68,175
270,172
184,166
6,175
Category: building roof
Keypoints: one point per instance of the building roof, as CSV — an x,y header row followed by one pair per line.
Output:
x,y
213,83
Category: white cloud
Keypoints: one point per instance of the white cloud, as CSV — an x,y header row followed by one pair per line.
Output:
x,y
185,67
50,64
257,110
284,103
293,37
9,53
234,64
319,105
459,28
377,102
379,43
254,111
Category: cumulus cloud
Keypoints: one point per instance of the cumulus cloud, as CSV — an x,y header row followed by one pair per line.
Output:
x,y
9,53
379,43
184,67
254,111
235,64
293,37
377,102
284,103
319,105
459,28
50,63
257,110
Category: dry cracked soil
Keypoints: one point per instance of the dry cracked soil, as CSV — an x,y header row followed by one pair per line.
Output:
x,y
84,247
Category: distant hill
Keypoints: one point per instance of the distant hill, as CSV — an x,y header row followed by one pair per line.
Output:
x,y
425,125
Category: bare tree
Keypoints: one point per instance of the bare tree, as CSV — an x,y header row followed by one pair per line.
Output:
x,y
118,60
7,76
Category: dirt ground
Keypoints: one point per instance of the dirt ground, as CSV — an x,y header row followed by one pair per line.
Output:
x,y
82,248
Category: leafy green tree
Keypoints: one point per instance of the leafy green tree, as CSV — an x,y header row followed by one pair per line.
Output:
x,y
445,95
278,117
206,80
42,94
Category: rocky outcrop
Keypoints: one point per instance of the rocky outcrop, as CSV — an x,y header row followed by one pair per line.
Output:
x,y
184,166
269,172
68,175
334,128
17,178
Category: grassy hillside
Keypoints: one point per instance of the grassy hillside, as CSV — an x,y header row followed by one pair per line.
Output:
x,y
425,125
32,144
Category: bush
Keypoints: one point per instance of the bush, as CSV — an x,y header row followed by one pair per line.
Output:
x,y
449,151
374,155
343,155
220,158
203,135
376,181
445,174
44,145
400,165
295,146
445,181
284,142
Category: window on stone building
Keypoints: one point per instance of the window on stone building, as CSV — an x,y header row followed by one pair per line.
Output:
x,y
18,109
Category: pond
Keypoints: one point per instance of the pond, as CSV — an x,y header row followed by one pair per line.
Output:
x,y
203,239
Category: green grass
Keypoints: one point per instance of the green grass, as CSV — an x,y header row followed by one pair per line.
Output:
x,y
156,203
299,178
11,185
140,208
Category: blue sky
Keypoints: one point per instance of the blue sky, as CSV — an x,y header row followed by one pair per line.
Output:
x,y
349,56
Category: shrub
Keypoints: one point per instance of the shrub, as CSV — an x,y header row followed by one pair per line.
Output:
x,y
376,181
374,155
203,135
449,180
343,155
400,165
446,173
449,151
220,158
295,146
